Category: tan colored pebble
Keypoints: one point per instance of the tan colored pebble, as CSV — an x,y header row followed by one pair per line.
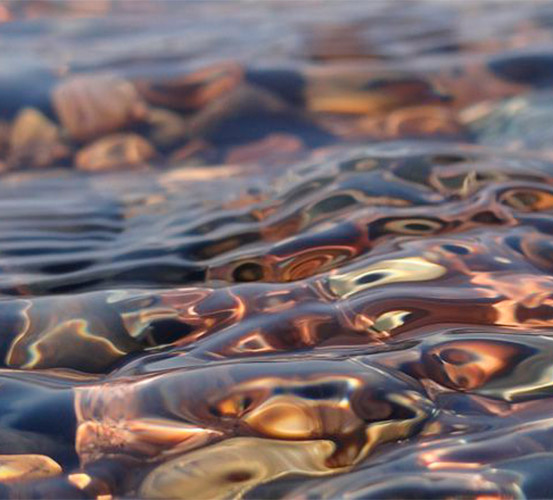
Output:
x,y
115,151
26,467
34,141
89,106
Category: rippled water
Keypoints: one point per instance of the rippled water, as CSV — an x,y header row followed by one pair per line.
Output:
x,y
276,250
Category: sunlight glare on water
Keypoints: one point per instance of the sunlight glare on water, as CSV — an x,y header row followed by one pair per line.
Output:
x,y
276,249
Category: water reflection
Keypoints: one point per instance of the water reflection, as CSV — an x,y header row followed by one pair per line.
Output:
x,y
270,252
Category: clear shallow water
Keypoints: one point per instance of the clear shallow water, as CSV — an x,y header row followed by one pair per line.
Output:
x,y
276,250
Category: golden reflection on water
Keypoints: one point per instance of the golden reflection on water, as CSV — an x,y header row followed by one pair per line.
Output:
x,y
268,252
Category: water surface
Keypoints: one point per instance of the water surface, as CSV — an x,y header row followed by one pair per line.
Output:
x,y
276,249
